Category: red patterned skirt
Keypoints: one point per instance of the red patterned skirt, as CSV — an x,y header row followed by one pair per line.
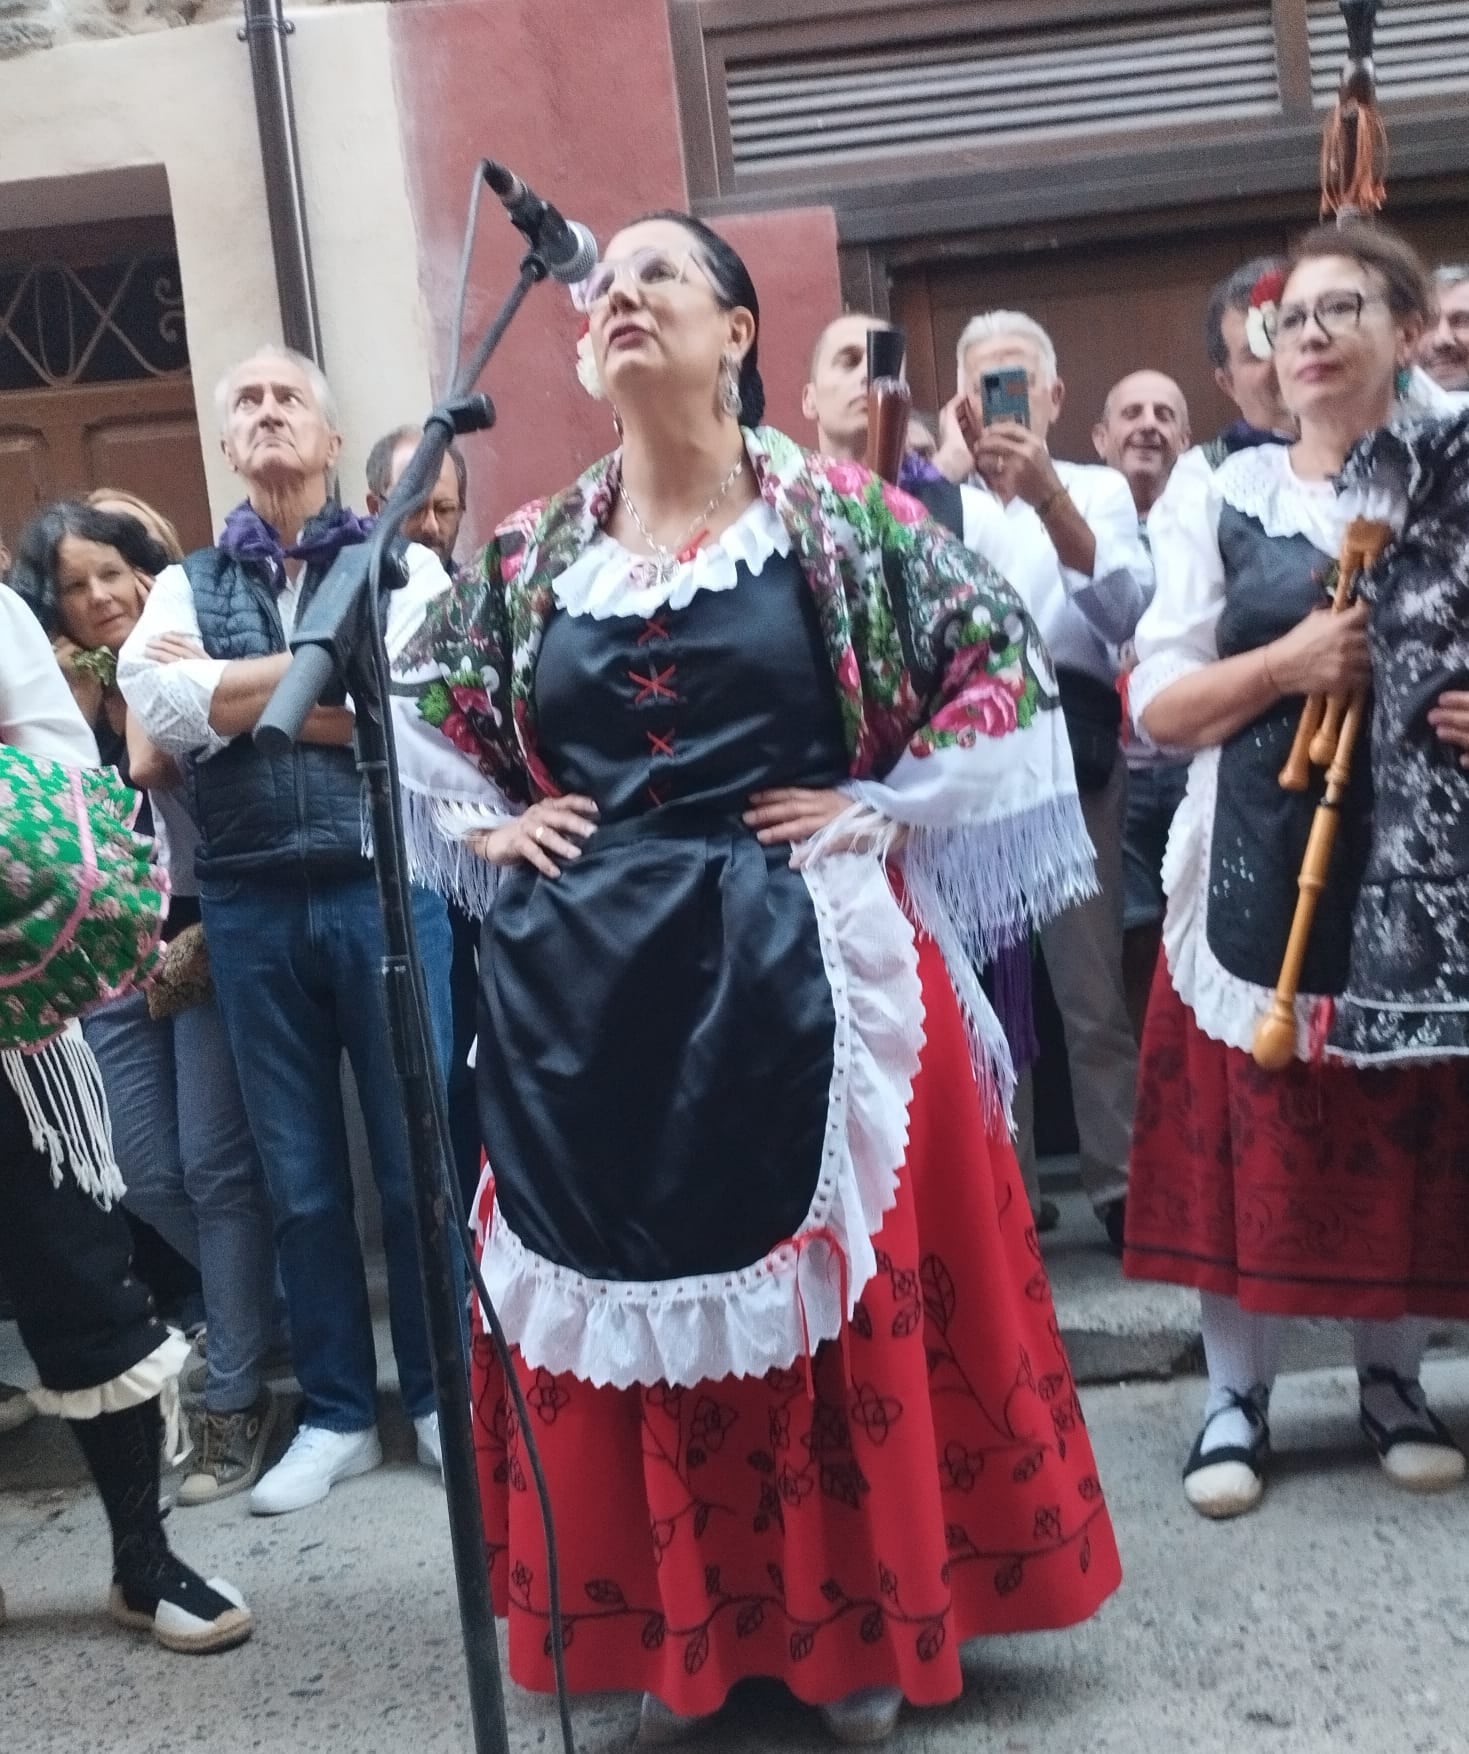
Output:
x,y
1320,1190
852,1538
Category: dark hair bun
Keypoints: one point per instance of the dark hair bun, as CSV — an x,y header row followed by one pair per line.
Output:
x,y
752,394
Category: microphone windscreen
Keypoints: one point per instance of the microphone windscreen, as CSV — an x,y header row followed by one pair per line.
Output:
x,y
573,256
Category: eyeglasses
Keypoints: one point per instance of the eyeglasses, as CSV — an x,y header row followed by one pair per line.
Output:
x,y
1334,313
648,267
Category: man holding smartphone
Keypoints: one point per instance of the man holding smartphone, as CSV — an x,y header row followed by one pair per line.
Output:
x,y
835,400
1086,577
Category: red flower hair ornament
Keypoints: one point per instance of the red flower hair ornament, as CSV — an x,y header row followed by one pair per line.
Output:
x,y
1265,297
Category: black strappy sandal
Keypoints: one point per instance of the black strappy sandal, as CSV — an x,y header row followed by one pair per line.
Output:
x,y
1419,1453
1230,1480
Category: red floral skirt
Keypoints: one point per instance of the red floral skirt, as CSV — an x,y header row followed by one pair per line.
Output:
x,y
851,1538
1320,1190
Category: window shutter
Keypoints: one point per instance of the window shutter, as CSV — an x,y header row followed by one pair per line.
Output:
x,y
1421,50
878,103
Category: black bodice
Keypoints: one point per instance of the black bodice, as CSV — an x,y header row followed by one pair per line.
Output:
x,y
692,709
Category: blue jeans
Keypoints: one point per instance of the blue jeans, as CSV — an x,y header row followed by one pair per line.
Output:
x,y
298,968
1154,793
185,1151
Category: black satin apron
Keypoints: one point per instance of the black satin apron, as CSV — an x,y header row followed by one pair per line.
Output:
x,y
656,1024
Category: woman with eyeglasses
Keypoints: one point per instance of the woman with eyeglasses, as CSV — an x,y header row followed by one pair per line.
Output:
x,y
757,764
1325,1189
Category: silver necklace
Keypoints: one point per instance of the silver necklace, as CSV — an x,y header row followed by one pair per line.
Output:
x,y
666,557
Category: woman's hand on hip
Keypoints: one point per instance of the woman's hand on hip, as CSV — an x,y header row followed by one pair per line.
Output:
x,y
1449,717
793,813
546,832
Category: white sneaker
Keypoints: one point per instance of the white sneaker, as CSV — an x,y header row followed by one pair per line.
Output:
x,y
16,1408
430,1445
313,1464
865,1718
661,1727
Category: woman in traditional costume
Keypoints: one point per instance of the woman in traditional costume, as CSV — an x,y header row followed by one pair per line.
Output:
x,y
752,1218
1320,1190
179,1128
1407,990
81,910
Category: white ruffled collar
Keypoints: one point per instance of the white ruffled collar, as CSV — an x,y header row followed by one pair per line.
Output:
x,y
607,579
1262,483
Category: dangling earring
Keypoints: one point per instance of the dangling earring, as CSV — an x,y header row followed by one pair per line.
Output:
x,y
729,385
1402,381
617,422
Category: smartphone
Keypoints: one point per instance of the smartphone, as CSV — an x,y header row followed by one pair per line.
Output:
x,y
1005,395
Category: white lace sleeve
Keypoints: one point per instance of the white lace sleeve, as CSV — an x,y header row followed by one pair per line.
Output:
x,y
1178,631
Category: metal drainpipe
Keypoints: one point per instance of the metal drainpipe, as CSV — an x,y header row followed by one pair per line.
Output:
x,y
265,31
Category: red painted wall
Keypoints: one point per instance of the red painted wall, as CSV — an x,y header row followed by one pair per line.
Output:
x,y
792,258
569,100
577,97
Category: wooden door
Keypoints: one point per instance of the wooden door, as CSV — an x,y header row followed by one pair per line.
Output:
x,y
140,436
1115,306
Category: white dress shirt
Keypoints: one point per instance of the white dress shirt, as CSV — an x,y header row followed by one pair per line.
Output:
x,y
1084,619
37,711
173,700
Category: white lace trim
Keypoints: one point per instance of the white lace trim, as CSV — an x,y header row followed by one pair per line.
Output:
x,y
1144,686
608,579
1261,483
1225,1007
155,1377
766,1316
877,836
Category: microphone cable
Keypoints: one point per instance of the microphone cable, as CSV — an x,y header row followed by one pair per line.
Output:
x,y
398,868
398,871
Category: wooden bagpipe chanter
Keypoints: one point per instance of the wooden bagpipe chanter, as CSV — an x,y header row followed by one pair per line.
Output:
x,y
1327,736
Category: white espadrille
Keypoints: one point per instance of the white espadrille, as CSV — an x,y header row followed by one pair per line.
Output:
x,y
1229,1479
222,1619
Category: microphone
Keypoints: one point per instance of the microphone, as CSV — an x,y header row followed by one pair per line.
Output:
x,y
568,249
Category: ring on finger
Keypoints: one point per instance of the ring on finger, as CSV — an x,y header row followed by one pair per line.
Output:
x,y
540,834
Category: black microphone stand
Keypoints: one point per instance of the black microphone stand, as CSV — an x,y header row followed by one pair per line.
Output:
x,y
340,636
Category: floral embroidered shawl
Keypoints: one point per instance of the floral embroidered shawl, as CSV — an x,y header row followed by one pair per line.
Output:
x,y
947,695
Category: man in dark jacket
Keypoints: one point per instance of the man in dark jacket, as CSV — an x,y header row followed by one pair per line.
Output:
x,y
290,905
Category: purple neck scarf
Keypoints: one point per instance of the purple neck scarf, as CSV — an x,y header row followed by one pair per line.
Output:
x,y
1239,435
323,536
914,471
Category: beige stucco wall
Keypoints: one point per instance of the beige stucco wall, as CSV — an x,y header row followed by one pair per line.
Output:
x,y
181,100
26,25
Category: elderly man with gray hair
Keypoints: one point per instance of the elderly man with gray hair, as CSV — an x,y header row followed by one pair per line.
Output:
x,y
290,904
1443,351
1081,568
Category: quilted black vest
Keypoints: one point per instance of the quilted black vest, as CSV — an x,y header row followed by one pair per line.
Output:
x,y
279,814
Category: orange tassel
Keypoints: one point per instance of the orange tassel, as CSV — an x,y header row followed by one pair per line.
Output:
x,y
1353,160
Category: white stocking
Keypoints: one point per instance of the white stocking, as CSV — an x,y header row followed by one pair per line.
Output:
x,y
1396,1346
1242,1351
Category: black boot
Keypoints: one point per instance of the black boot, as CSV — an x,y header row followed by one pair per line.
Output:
x,y
151,1589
